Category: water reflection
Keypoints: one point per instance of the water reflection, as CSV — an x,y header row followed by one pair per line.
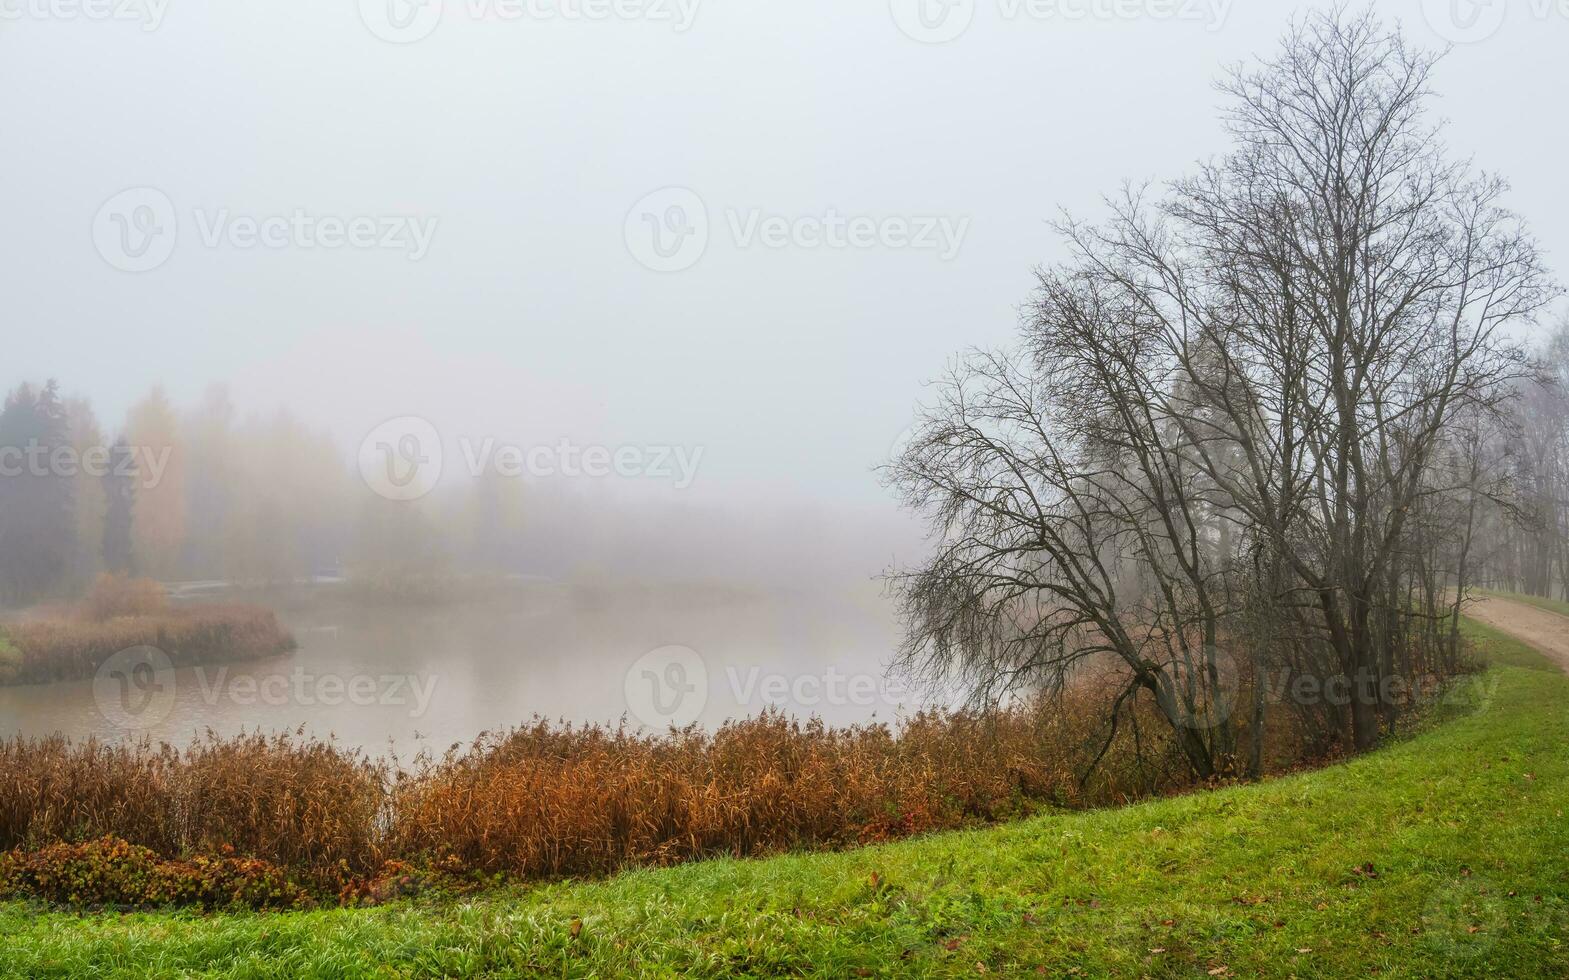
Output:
x,y
411,676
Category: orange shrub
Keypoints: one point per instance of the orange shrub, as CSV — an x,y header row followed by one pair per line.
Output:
x,y
546,800
111,872
307,805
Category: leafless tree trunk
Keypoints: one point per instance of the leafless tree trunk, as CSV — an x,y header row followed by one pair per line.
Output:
x,y
1270,353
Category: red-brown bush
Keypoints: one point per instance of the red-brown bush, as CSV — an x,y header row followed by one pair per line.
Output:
x,y
112,872
546,800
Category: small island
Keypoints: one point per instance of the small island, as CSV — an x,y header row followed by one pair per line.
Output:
x,y
67,642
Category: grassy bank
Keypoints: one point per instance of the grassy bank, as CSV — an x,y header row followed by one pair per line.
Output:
x,y
48,651
1444,855
543,801
1551,605
73,641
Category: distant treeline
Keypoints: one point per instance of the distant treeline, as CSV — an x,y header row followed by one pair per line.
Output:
x,y
201,494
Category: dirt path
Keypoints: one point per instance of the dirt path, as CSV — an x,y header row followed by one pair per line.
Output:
x,y
1547,631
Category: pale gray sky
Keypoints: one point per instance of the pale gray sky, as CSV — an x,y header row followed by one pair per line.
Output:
x,y
529,140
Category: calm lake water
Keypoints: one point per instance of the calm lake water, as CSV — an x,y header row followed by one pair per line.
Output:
x,y
405,678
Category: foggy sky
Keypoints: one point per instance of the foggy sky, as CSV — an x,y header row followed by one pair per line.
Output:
x,y
529,141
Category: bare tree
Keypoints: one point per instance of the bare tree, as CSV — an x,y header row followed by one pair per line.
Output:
x,y
1238,388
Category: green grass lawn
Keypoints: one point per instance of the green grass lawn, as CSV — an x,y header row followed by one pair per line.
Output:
x,y
1446,854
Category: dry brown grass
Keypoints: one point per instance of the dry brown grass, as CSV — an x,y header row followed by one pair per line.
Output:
x,y
73,642
118,595
299,804
547,800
